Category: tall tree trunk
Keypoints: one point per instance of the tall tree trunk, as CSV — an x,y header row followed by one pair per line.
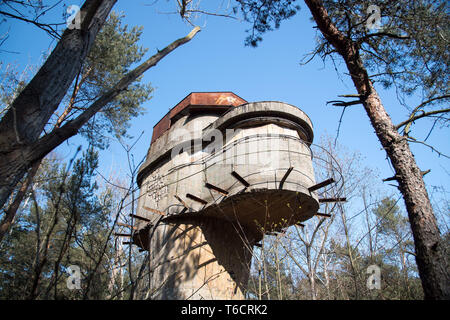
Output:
x,y
312,285
11,211
430,252
351,259
25,120
15,161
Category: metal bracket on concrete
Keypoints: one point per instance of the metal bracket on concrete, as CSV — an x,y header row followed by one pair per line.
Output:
x,y
126,225
321,185
217,189
122,235
288,172
139,217
240,179
326,215
154,210
332,200
195,198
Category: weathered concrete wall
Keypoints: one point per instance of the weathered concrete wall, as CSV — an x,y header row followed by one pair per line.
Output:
x,y
202,249
200,259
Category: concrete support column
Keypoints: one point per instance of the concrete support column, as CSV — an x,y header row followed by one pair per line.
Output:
x,y
200,259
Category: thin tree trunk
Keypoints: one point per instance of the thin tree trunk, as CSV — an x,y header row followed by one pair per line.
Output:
x,y
278,274
267,292
10,213
259,283
312,284
350,254
326,275
430,256
41,257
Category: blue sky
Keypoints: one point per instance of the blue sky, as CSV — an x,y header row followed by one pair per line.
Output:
x,y
217,60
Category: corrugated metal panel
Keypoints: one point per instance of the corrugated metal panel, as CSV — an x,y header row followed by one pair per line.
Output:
x,y
216,99
180,106
197,99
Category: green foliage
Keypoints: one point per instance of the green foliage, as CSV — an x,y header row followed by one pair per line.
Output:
x,y
65,209
12,83
114,54
16,262
410,50
66,219
390,219
265,16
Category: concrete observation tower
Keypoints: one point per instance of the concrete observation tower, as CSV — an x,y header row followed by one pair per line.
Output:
x,y
219,175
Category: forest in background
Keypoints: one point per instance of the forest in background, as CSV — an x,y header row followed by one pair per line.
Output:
x,y
73,216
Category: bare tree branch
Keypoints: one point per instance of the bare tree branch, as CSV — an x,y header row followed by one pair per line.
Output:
x,y
423,115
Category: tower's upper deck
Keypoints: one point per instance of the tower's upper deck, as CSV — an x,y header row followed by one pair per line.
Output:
x,y
215,150
217,102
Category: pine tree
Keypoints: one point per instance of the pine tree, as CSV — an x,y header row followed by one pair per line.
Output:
x,y
412,50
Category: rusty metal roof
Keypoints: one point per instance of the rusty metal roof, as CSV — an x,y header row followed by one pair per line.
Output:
x,y
198,101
